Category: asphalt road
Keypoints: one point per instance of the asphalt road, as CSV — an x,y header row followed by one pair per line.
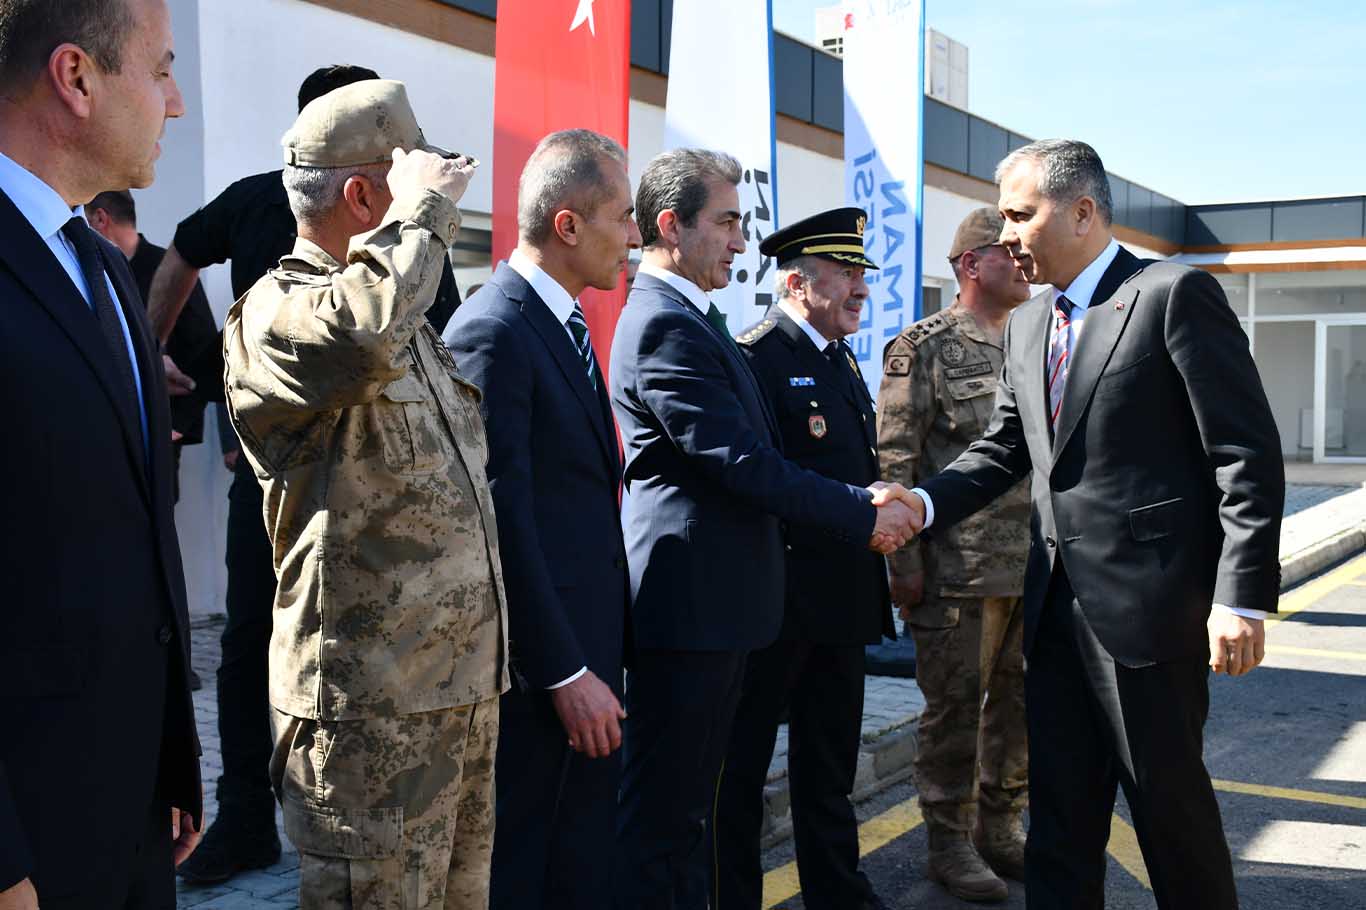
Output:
x,y
1285,745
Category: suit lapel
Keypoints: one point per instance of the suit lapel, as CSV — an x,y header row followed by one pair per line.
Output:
x,y
31,261
728,346
129,300
556,339
1111,307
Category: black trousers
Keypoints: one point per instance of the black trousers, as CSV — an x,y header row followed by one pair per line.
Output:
x,y
1095,724
243,700
822,685
680,706
555,837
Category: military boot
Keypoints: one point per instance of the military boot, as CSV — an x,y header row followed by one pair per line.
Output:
x,y
1000,840
242,837
954,863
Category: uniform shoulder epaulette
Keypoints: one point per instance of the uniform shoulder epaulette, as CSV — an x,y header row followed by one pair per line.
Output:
x,y
927,328
756,331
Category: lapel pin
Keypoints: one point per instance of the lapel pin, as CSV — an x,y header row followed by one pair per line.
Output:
x,y
1119,305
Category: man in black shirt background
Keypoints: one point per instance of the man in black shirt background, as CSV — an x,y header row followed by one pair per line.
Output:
x,y
250,224
193,345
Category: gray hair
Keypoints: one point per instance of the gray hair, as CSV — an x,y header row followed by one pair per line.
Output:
x,y
677,181
30,30
804,266
314,191
1068,170
563,171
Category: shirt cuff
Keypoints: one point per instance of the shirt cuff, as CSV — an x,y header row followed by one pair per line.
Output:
x,y
566,681
929,506
1244,612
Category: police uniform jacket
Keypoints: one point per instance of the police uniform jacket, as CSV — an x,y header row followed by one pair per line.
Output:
x,y
371,451
836,591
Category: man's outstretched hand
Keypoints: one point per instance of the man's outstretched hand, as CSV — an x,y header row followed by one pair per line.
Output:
x,y
900,516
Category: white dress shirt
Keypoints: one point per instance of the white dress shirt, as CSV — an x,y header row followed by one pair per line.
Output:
x,y
561,306
692,292
819,340
1079,294
47,212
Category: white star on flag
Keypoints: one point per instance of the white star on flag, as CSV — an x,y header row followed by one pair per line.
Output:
x,y
584,14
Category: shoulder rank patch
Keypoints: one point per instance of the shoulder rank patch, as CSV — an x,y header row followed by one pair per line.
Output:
x,y
926,328
755,332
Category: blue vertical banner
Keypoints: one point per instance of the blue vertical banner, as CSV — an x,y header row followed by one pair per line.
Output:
x,y
721,96
884,172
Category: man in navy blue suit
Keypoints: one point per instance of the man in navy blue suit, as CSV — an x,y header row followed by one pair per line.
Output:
x,y
555,469
707,494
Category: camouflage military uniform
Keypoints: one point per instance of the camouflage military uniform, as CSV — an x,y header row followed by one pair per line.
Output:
x,y
938,393
389,646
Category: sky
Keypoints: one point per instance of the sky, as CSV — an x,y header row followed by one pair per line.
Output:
x,y
1201,101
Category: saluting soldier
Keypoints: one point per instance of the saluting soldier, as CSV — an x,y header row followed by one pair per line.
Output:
x,y
389,649
837,598
960,593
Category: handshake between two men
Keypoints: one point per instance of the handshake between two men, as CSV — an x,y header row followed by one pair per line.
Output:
x,y
900,517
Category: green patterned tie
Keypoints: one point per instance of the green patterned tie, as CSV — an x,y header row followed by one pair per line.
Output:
x,y
718,321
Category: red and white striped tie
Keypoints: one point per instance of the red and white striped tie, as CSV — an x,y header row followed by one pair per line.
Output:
x,y
1058,359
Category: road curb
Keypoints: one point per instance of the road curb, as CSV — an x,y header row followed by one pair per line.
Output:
x,y
888,757
1298,566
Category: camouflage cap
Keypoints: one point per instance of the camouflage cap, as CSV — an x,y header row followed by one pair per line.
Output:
x,y
360,123
981,228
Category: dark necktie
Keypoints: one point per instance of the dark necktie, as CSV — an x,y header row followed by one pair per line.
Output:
x,y
1059,353
578,327
718,321
92,267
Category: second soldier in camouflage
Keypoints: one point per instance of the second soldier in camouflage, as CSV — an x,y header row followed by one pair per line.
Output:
x,y
960,592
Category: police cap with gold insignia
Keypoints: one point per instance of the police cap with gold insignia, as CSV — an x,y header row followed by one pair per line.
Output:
x,y
836,234
360,123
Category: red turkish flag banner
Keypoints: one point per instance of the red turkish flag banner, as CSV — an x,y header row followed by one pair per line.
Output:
x,y
558,64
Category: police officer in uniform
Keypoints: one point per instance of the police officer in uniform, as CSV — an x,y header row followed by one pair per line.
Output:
x,y
837,597
389,647
960,592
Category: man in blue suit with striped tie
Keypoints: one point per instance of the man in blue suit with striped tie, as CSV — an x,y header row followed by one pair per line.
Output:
x,y
555,469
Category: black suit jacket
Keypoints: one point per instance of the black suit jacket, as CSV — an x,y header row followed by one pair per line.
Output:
x,y
94,654
1162,489
836,592
555,471
707,486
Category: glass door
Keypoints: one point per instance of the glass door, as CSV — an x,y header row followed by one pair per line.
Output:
x,y
1340,391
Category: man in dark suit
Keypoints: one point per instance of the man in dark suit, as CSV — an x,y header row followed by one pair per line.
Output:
x,y
194,348
99,776
707,490
1158,490
837,598
555,470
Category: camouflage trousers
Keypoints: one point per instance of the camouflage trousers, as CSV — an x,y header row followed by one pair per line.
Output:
x,y
392,813
972,739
